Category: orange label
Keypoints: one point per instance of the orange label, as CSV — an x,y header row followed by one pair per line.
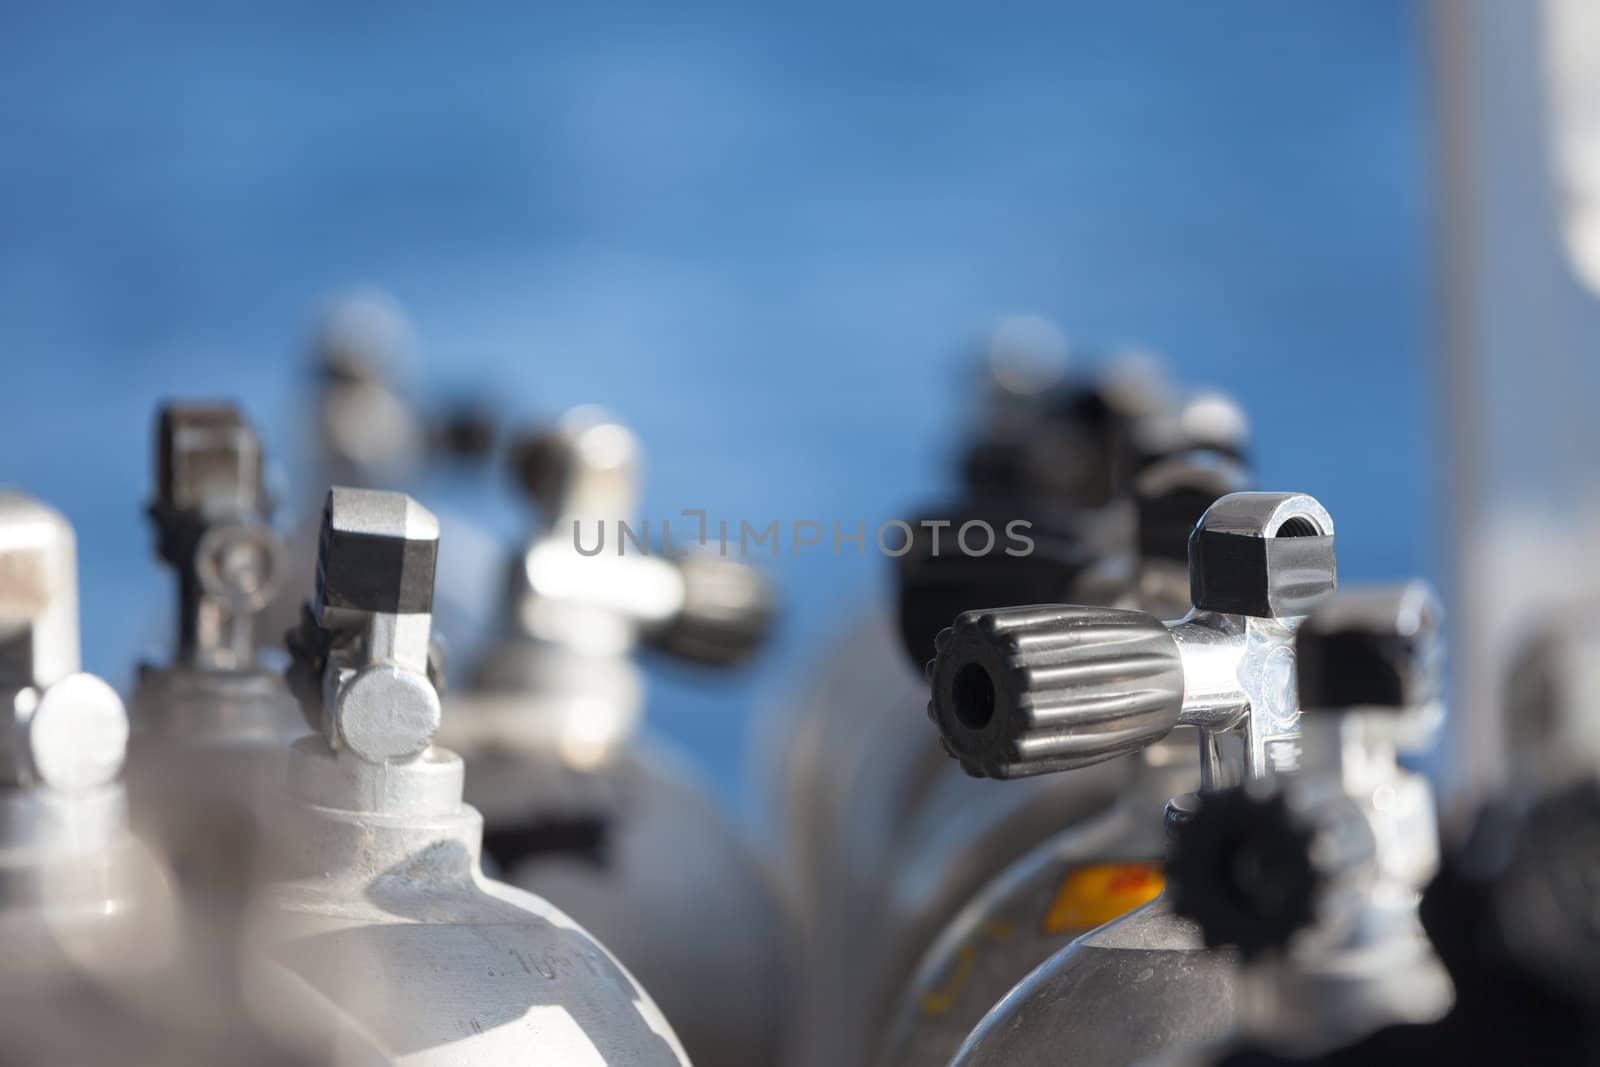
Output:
x,y
1090,896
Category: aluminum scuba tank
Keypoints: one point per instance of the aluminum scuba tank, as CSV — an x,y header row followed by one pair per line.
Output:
x,y
959,831
924,837
213,705
854,782
578,807
1314,877
378,908
1027,691
102,961
1083,536
1095,870
82,915
67,859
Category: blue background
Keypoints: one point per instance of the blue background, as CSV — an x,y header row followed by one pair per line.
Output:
x,y
765,236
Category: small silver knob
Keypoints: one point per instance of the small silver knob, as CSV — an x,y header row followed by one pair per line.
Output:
x,y
59,728
362,653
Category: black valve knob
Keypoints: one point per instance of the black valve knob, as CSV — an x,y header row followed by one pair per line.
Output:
x,y
1032,690
1241,867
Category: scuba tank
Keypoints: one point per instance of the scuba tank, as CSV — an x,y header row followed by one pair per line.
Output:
x,y
612,829
1026,691
1094,871
941,835
963,831
70,888
1314,877
68,865
378,909
92,971
213,703
911,838
210,726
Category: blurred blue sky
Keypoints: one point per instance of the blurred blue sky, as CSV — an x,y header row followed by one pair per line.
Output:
x,y
764,236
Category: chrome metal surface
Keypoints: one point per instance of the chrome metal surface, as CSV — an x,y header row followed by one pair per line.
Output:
x,y
71,906
1144,983
1033,690
1117,995
1368,831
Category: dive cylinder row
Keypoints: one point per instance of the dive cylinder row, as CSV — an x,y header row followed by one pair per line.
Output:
x,y
1144,793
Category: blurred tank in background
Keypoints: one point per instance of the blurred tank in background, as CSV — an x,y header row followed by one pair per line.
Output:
x,y
213,712
896,839
104,962
367,423
75,897
580,806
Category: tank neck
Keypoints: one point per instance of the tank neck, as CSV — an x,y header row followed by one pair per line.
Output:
x,y
351,822
427,785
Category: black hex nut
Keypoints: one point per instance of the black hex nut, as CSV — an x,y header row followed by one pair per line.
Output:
x,y
1267,555
377,552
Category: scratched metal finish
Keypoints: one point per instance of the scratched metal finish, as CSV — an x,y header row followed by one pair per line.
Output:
x,y
436,964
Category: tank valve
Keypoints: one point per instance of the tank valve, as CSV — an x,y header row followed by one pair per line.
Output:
x,y
62,729
1351,830
211,514
727,614
583,476
362,663
1032,690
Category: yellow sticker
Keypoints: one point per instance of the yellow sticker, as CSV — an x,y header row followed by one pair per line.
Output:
x,y
1090,896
